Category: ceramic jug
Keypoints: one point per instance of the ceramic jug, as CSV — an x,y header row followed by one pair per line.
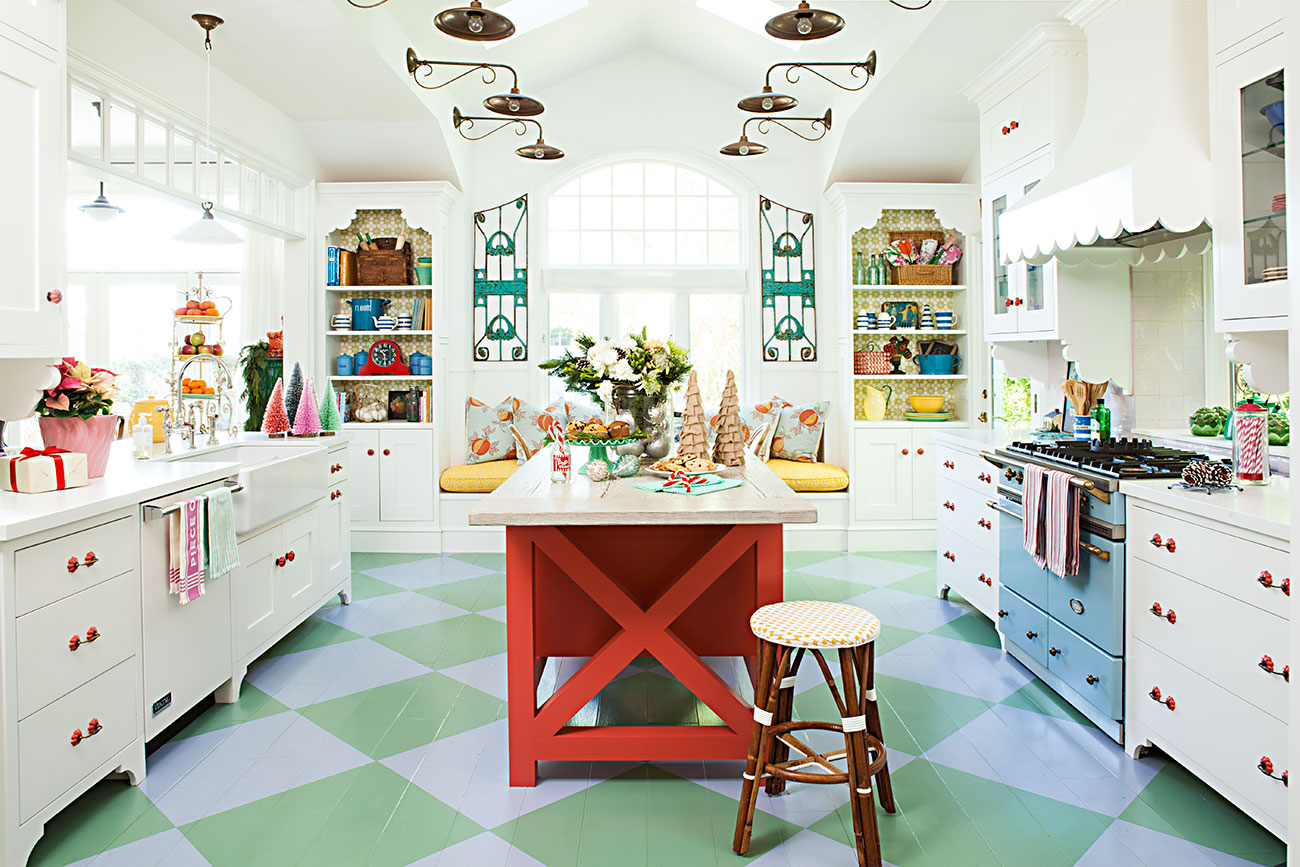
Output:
x,y
874,402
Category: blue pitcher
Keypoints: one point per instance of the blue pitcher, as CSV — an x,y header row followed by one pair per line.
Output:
x,y
359,360
343,365
365,310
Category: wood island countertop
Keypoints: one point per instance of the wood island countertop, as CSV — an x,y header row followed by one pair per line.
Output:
x,y
530,498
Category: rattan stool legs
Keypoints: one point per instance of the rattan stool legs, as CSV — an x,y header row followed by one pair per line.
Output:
x,y
773,737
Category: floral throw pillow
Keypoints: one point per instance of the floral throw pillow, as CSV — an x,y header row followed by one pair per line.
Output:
x,y
534,424
755,415
799,431
487,431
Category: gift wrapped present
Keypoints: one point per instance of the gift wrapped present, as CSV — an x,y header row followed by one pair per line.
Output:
x,y
35,472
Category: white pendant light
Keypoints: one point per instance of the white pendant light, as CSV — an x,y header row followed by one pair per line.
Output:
x,y
207,230
100,210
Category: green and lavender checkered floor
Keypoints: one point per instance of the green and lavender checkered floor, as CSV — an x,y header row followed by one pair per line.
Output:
x,y
375,734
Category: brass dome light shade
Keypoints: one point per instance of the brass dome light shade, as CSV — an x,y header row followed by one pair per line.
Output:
x,y
767,102
474,23
804,23
512,104
743,147
538,151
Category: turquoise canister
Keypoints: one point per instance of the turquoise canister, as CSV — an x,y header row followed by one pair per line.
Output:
x,y
343,365
359,359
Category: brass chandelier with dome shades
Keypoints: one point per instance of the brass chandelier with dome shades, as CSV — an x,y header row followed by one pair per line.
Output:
x,y
471,22
743,147
804,22
768,101
512,103
539,150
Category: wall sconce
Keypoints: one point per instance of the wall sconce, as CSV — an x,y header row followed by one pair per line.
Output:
x,y
767,101
804,23
512,104
540,150
746,148
471,22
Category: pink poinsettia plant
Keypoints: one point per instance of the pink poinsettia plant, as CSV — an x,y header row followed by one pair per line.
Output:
x,y
83,391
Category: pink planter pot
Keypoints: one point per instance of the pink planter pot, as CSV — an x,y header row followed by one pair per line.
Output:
x,y
92,437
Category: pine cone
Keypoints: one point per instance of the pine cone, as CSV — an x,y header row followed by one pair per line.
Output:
x,y
581,364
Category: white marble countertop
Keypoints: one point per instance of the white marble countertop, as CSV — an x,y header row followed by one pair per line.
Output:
x,y
984,438
1264,509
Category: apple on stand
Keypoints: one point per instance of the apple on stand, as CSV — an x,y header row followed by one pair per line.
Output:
x,y
186,349
197,338
205,350
216,349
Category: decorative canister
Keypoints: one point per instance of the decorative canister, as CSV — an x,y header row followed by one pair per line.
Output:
x,y
359,359
404,323
1250,444
1082,427
884,320
862,321
341,322
365,311
385,323
343,365
424,270
943,320
927,317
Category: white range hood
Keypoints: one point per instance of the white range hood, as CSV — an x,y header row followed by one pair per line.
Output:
x,y
1141,157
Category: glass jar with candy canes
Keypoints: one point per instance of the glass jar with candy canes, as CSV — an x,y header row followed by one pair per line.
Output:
x,y
1250,444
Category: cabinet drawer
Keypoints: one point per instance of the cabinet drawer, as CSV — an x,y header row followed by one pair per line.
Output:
x,y
47,665
1023,623
1222,638
1209,727
1016,569
971,571
1092,602
338,460
48,763
968,513
44,574
1241,569
1097,676
966,469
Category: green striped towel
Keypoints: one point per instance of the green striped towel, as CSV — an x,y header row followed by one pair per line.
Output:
x,y
223,552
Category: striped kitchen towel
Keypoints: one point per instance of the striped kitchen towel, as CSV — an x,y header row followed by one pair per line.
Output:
x,y
1062,524
186,551
1035,533
223,548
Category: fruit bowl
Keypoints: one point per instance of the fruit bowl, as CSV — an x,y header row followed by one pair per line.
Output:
x,y
926,402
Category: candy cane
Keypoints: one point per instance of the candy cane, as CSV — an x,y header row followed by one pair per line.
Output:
x,y
1252,431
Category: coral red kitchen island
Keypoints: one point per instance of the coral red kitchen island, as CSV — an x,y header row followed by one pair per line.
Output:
x,y
606,571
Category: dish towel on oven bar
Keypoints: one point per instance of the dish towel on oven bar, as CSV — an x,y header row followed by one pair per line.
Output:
x,y
223,549
1062,524
1035,532
185,551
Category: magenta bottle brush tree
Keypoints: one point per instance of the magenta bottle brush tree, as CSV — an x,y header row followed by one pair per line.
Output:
x,y
306,421
275,421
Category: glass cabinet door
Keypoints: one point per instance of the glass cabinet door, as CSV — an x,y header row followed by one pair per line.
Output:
x,y
1263,180
1001,273
1035,285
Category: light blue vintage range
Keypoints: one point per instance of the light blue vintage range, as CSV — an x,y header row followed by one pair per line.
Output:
x,y
1069,630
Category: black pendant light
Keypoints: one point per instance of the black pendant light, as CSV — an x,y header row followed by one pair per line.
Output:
x,y
474,23
100,209
743,147
805,23
511,104
767,102
539,150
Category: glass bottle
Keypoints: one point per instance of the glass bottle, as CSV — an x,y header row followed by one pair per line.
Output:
x,y
882,272
1250,444
561,462
858,274
1100,422
873,272
142,440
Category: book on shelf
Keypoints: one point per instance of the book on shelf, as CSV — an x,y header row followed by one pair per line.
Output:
x,y
332,265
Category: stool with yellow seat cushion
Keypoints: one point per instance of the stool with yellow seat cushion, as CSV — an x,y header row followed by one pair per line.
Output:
x,y
481,478
810,477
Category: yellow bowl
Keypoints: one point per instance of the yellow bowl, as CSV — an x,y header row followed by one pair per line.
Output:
x,y
926,402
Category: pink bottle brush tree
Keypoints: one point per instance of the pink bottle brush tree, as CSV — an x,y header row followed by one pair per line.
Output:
x,y
306,421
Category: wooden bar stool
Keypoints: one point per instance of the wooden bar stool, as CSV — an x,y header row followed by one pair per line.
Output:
x,y
786,631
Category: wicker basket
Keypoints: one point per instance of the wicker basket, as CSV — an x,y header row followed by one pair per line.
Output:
x,y
921,275
386,266
870,361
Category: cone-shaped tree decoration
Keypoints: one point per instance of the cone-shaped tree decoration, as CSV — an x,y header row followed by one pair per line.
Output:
x,y
693,441
306,421
729,446
330,421
275,421
293,393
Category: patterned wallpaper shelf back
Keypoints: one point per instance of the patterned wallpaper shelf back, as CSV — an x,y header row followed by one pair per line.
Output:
x,y
383,223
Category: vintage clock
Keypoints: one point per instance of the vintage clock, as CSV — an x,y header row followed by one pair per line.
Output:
x,y
384,359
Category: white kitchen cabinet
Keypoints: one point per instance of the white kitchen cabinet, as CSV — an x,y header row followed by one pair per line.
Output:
x,y
895,474
32,165
279,575
363,493
967,552
391,479
336,530
1021,298
41,20
1233,22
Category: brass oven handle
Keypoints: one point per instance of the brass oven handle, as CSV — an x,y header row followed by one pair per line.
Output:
x,y
1086,486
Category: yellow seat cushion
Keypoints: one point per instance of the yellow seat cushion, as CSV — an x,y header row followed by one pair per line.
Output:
x,y
810,478
481,478
814,624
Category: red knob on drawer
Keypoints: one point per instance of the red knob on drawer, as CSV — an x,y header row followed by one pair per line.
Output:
x,y
904,451
1160,612
93,727
1167,701
75,641
1266,768
1006,130
1155,693
338,494
54,296
280,561
289,556
1009,302
1266,663
92,633
1014,125
387,452
1169,545
77,737
370,452
949,464
1156,540
1019,301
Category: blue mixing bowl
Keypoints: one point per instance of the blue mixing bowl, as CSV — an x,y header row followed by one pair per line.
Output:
x,y
1275,113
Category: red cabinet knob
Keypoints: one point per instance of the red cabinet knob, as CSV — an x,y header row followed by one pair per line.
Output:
x,y
1167,701
1009,302
904,451
280,561
1006,129
1160,612
54,296
1156,540
387,452
289,556
1019,301
1266,768
1266,663
370,452
949,464
1266,579
92,728
1015,124
75,641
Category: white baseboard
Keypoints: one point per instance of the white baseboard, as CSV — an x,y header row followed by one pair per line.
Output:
x,y
475,540
895,537
394,541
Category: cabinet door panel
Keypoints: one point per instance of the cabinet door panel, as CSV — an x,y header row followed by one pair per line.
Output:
x,y
883,491
252,588
406,476
921,456
298,584
1035,302
363,477
999,279
336,525
38,19
31,186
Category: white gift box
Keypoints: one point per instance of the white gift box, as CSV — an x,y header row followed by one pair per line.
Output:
x,y
33,472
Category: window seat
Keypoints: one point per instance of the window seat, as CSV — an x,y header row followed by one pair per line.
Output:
x,y
810,478
481,478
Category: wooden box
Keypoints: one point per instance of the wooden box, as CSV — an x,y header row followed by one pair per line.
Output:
x,y
385,266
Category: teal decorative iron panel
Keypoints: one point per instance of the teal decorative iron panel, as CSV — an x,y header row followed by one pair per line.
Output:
x,y
785,241
501,282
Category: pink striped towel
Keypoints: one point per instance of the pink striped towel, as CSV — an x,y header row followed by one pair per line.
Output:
x,y
1035,535
185,553
1062,524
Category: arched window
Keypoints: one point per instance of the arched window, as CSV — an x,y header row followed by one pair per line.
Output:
x,y
649,244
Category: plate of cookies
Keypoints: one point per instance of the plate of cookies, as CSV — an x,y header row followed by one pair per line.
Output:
x,y
596,432
678,464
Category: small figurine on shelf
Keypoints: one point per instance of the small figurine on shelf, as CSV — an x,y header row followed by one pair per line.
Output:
x,y
693,440
293,392
729,447
306,421
275,421
330,420
275,342
898,349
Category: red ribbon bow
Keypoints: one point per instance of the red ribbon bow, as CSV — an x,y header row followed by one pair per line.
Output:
x,y
28,453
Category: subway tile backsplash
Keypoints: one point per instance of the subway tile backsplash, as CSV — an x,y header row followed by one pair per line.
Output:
x,y
1168,343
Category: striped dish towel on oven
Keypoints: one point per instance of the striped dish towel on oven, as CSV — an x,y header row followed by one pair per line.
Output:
x,y
1062,524
186,551
1035,533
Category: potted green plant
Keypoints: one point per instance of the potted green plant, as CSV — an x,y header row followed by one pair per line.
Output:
x,y
77,414
1208,421
1279,429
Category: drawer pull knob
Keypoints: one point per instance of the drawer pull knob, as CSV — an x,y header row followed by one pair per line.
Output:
x,y
1266,768
1002,612
92,728
984,579
985,477
1008,473
370,452
387,452
289,556
92,634
1168,544
986,523
1009,301
1167,701
1019,301
1266,663
1006,130
334,468
949,555
1031,635
1160,612
280,561
949,506
1091,679
1054,651
1266,579
920,451
90,560
950,465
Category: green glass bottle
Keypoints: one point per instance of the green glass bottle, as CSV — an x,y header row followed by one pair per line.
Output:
x,y
1100,422
874,273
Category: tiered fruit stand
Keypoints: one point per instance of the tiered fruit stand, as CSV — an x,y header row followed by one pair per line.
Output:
x,y
202,382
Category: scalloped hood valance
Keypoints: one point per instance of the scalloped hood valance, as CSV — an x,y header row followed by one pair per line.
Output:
x,y
1141,157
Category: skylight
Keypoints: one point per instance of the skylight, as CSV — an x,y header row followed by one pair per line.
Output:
x,y
529,15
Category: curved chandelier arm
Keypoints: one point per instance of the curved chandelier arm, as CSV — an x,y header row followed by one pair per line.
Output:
x,y
820,126
424,68
367,5
857,69
465,122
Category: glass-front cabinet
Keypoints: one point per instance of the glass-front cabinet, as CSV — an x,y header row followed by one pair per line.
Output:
x,y
1249,159
1022,297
